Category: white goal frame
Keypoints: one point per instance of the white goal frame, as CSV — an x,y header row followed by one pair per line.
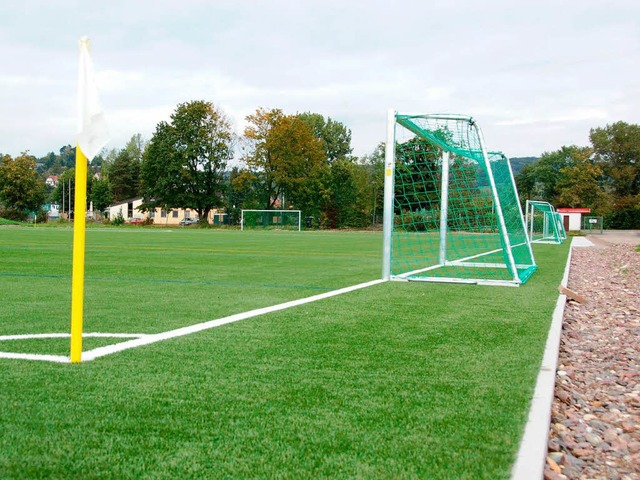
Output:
x,y
299,212
514,268
552,228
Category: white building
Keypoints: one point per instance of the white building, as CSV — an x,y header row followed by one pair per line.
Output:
x,y
129,209
572,217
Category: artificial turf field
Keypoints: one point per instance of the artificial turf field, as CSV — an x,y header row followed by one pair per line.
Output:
x,y
398,380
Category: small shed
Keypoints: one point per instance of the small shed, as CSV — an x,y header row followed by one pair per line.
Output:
x,y
572,217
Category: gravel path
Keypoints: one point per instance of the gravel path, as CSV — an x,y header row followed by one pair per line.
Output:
x,y
595,418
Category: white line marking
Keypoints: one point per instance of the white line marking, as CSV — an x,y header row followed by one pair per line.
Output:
x,y
141,339
29,336
33,356
179,332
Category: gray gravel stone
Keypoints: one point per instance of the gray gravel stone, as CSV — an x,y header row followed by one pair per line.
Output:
x,y
596,413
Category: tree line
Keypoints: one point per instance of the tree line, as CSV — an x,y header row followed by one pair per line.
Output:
x,y
299,161
196,161
604,176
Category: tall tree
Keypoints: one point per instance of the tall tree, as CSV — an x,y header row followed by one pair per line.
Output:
x,y
184,163
582,186
124,176
101,195
617,147
341,207
261,166
135,147
67,156
285,158
373,188
539,180
22,190
240,193
335,136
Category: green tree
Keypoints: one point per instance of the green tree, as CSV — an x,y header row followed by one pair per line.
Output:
x,y
67,187
67,156
285,158
240,193
124,176
372,189
135,147
582,184
539,180
341,206
617,147
22,190
617,150
184,163
101,195
335,136
526,183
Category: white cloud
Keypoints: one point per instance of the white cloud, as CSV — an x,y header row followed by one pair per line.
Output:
x,y
536,74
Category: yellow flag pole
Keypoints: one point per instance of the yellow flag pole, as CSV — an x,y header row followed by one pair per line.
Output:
x,y
79,234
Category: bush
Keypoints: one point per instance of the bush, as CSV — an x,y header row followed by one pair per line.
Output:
x,y
13,214
625,215
42,216
118,220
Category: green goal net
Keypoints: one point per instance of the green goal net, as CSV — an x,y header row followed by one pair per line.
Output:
x,y
451,208
593,224
544,224
271,219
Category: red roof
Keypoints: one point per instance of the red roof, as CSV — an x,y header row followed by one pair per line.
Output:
x,y
573,210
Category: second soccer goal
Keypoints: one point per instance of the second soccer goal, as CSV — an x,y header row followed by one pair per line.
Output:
x,y
271,219
451,208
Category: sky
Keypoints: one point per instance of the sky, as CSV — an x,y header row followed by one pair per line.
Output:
x,y
535,74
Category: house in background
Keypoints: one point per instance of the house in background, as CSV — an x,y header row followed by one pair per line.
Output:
x,y
572,217
130,209
52,181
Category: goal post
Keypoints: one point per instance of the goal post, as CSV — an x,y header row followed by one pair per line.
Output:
x,y
593,224
451,207
271,219
544,224
560,226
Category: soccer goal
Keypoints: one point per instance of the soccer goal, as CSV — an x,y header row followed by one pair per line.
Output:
x,y
544,224
451,208
593,224
271,219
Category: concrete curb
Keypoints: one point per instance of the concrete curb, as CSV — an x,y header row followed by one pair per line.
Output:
x,y
532,453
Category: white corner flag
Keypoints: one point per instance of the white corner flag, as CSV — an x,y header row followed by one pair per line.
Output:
x,y
93,133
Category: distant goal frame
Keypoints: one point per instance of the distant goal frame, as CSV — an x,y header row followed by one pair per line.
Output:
x,y
242,216
553,231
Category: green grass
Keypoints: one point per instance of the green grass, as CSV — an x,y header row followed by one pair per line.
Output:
x,y
399,380
419,252
5,221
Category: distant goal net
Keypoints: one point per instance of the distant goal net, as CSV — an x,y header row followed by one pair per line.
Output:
x,y
451,208
544,224
593,224
271,220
